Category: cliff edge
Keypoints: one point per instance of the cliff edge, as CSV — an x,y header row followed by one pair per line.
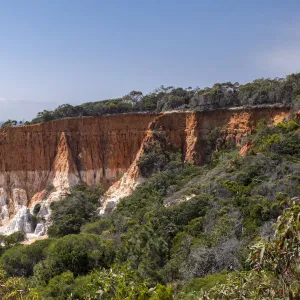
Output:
x,y
40,163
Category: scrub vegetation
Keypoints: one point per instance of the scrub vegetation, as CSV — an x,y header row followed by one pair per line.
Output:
x,y
260,92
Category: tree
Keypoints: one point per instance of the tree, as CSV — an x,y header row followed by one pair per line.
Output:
x,y
275,265
15,288
9,123
133,97
120,282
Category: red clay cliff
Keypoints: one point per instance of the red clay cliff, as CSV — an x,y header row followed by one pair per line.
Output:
x,y
59,154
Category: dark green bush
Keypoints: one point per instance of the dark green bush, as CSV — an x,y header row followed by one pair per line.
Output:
x,y
77,253
159,155
97,227
36,208
70,213
20,260
206,283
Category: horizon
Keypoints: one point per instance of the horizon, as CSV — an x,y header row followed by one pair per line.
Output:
x,y
62,52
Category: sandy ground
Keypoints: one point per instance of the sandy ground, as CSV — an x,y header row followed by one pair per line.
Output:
x,y
32,239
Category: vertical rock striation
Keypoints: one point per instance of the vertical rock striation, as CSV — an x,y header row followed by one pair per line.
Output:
x,y
40,163
190,132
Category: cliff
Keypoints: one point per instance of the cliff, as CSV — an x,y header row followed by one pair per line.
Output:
x,y
196,135
39,163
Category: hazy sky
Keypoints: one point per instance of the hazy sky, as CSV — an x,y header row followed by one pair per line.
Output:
x,y
69,51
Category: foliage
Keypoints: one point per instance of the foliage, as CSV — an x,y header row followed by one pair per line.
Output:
x,y
15,288
159,155
97,227
123,283
118,283
282,255
59,287
278,91
77,253
71,212
282,140
150,195
14,239
185,225
20,260
245,285
9,123
275,264
194,287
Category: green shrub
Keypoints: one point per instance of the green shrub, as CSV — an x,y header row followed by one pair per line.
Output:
x,y
159,155
122,283
60,287
184,212
202,284
14,288
36,208
97,227
70,213
20,260
15,238
195,226
76,253
275,271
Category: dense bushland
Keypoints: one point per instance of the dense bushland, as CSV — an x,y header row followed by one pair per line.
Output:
x,y
70,213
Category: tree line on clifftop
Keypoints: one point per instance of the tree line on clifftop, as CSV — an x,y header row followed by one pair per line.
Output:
x,y
278,91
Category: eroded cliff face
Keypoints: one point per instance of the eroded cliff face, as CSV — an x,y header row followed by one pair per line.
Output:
x,y
40,163
191,133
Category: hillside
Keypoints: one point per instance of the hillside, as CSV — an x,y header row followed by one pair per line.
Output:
x,y
41,163
159,205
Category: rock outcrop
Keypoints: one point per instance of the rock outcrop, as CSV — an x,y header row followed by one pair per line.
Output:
x,y
190,132
40,163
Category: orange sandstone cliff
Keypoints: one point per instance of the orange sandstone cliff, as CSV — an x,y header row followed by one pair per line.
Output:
x,y
40,163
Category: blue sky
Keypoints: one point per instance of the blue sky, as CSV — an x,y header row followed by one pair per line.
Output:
x,y
63,51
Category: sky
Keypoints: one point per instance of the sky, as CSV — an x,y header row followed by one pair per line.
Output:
x,y
71,51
